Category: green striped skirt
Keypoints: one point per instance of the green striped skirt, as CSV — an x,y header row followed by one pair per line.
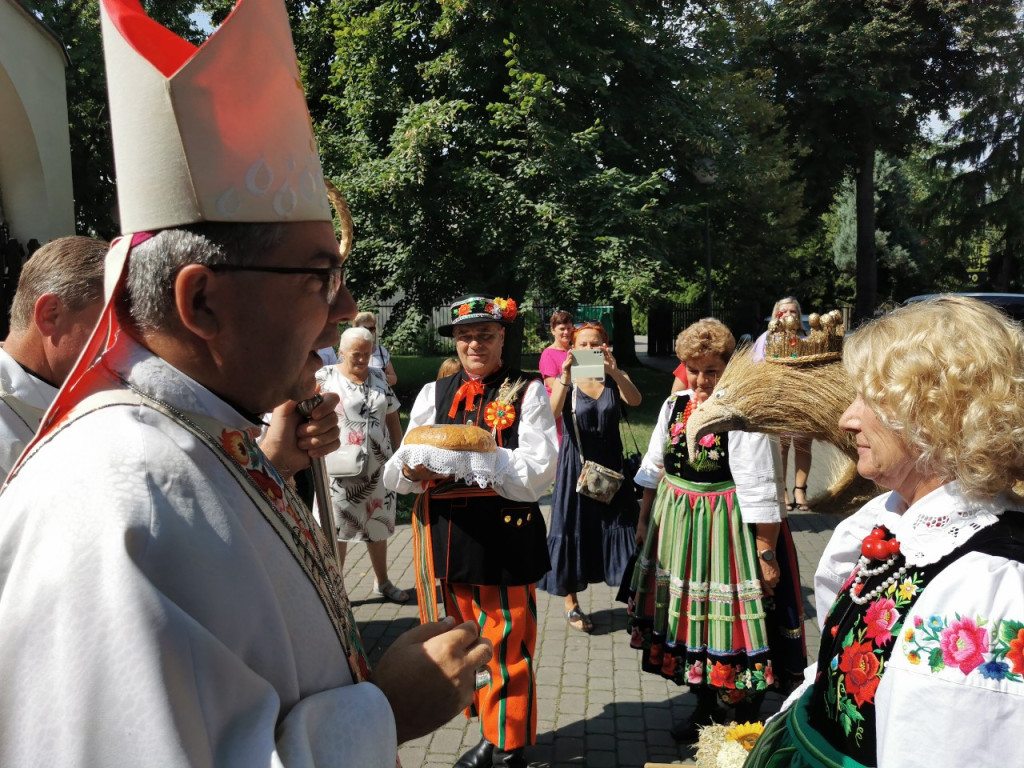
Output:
x,y
696,608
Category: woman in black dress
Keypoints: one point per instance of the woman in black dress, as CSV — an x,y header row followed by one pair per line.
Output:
x,y
589,541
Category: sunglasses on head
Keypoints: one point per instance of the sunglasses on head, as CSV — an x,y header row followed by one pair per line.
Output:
x,y
588,324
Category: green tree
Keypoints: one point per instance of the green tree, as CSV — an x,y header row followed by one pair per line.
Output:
x,y
982,204
532,148
77,24
860,77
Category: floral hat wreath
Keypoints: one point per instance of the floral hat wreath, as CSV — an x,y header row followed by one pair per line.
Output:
x,y
476,308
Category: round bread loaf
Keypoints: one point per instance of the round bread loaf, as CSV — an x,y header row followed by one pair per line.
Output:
x,y
453,437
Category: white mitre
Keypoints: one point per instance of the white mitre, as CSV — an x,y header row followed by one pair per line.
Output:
x,y
215,133
219,133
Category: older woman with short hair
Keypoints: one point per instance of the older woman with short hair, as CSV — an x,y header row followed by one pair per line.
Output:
x,y
707,574
364,510
922,655
380,357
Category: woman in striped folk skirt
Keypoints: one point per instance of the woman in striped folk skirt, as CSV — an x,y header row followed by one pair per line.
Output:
x,y
715,600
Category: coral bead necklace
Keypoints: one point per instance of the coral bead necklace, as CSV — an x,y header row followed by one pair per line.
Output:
x,y
691,406
876,547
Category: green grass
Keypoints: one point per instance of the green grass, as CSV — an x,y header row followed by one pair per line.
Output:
x,y
413,372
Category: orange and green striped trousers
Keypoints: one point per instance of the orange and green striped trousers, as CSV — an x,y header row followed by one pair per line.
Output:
x,y
507,616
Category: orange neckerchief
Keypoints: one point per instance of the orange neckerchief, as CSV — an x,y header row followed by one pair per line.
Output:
x,y
469,391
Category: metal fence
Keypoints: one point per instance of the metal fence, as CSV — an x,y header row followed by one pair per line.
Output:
x,y
663,322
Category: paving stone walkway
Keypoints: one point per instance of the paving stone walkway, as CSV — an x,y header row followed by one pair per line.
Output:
x,y
595,707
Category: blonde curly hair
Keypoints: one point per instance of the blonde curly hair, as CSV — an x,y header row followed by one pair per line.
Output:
x,y
705,337
947,376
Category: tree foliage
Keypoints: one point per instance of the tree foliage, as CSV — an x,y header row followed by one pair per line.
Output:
x,y
861,77
982,204
532,148
77,24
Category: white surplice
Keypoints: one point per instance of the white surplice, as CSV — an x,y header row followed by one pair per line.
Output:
x,y
18,424
149,615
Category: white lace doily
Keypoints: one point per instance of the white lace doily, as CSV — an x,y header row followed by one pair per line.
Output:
x,y
481,468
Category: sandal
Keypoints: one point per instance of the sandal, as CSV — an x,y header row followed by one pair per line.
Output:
x,y
585,624
790,505
795,505
389,591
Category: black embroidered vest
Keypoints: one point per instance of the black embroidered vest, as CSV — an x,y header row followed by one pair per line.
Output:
x,y
857,640
711,463
486,539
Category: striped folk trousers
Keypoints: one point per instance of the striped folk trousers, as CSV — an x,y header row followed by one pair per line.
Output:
x,y
507,616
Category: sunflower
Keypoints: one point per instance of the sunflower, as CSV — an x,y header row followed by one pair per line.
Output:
x,y
746,734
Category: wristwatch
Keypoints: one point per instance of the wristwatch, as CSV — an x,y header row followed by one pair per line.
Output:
x,y
767,555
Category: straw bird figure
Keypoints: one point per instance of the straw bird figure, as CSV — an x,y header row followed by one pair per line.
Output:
x,y
797,398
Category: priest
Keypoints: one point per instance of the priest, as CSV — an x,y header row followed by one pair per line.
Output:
x,y
167,599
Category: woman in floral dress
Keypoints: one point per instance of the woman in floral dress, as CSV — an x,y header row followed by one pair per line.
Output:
x,y
364,510
922,654
709,591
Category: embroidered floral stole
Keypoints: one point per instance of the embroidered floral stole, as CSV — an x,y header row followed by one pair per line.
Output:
x,y
280,506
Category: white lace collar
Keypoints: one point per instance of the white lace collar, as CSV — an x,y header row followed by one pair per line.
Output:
x,y
939,522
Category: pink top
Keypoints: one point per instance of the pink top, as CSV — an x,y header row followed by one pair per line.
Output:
x,y
551,361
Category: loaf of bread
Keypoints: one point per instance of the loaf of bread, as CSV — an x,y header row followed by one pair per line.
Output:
x,y
453,437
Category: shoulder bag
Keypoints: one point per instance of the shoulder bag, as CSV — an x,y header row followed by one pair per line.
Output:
x,y
596,481
350,460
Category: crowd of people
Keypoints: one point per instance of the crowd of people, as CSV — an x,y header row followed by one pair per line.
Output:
x,y
167,598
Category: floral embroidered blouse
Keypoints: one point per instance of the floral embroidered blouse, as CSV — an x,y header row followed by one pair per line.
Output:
x,y
930,669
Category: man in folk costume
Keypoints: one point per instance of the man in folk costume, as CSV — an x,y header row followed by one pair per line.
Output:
x,y
59,297
487,546
167,600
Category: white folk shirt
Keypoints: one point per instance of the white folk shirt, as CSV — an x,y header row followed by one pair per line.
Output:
x,y
150,614
961,712
755,462
531,465
34,396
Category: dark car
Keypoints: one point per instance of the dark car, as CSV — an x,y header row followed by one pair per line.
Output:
x,y
1011,303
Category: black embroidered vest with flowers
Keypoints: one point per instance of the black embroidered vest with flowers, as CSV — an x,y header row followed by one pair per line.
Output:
x,y
857,640
486,539
710,465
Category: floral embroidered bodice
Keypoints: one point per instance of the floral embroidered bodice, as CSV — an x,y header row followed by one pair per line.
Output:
x,y
859,640
710,464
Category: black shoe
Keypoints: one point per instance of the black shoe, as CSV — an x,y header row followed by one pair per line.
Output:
x,y
687,730
705,713
511,759
478,757
748,712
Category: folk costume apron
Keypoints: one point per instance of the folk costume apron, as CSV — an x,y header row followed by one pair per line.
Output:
x,y
697,611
